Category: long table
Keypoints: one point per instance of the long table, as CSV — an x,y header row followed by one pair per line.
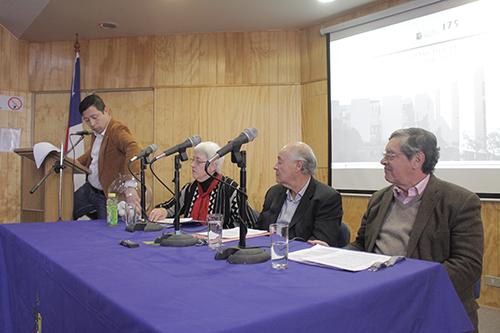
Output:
x,y
79,279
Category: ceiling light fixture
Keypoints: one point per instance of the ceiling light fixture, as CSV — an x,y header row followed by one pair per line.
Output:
x,y
326,1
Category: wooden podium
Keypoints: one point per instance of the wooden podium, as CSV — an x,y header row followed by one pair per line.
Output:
x,y
42,205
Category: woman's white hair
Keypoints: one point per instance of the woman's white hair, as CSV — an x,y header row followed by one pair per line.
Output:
x,y
208,149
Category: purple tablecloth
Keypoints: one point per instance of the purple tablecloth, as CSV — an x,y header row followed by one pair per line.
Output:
x,y
80,280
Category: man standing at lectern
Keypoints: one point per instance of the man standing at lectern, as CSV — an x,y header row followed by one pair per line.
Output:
x,y
312,209
420,216
111,149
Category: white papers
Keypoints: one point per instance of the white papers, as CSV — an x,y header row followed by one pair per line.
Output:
x,y
41,150
337,258
171,220
234,234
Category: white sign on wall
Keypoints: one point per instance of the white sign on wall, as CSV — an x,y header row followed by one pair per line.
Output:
x,y
11,103
9,139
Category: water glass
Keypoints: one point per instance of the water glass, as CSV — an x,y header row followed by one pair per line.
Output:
x,y
279,245
130,216
215,223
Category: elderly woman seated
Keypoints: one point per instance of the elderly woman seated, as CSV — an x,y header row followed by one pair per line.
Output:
x,y
206,195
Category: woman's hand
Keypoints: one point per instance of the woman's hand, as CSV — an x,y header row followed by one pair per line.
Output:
x,y
157,214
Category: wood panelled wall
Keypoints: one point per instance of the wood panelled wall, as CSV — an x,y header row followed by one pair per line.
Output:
x,y
13,82
314,124
210,84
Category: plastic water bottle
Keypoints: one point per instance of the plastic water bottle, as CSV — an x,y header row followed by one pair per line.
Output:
x,y
112,209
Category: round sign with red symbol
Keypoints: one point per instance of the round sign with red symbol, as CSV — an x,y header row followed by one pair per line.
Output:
x,y
15,103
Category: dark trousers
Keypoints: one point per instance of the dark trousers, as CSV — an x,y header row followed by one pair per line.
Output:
x,y
475,320
90,201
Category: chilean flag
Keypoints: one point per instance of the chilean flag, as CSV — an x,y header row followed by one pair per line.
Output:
x,y
75,119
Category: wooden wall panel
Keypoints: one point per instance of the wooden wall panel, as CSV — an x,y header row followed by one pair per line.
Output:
x,y
491,262
314,123
227,59
51,66
115,63
13,82
10,162
220,114
313,55
118,63
13,62
50,117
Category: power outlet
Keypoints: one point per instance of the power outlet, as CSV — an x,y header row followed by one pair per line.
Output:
x,y
493,281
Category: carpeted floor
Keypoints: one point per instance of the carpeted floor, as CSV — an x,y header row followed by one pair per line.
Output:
x,y
489,320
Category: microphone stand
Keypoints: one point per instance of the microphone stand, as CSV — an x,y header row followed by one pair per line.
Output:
x,y
242,254
177,239
60,167
143,224
144,162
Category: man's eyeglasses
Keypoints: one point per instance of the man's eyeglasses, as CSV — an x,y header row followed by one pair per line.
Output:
x,y
389,156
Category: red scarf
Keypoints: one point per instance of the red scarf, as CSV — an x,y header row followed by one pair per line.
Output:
x,y
200,206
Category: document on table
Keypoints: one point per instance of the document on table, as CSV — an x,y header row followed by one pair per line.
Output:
x,y
348,260
234,234
181,220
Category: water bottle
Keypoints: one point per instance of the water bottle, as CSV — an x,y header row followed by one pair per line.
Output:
x,y
112,209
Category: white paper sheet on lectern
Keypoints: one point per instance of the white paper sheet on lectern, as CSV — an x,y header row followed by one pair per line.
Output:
x,y
41,150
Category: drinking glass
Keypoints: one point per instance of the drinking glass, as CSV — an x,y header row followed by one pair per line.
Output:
x,y
279,245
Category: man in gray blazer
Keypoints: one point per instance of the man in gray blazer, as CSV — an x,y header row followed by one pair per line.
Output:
x,y
423,217
312,209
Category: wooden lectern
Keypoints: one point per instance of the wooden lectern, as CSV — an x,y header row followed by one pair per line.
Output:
x,y
42,205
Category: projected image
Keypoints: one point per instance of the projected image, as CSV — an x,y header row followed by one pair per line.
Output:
x,y
440,72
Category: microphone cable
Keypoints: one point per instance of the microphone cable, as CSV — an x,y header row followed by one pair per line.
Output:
x,y
248,214
158,178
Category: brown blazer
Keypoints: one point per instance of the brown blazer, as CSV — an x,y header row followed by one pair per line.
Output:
x,y
117,148
448,229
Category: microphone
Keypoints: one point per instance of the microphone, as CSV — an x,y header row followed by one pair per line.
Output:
x,y
248,134
145,152
82,133
190,142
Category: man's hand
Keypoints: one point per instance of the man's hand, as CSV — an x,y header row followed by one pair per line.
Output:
x,y
317,242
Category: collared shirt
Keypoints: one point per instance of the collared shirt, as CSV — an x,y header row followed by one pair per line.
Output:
x,y
413,192
93,177
290,205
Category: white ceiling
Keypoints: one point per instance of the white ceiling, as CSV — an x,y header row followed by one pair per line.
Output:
x,y
52,20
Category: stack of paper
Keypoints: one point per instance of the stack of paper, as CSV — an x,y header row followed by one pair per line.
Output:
x,y
182,220
234,234
337,258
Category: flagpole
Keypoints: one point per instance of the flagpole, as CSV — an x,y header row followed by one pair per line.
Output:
x,y
76,47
